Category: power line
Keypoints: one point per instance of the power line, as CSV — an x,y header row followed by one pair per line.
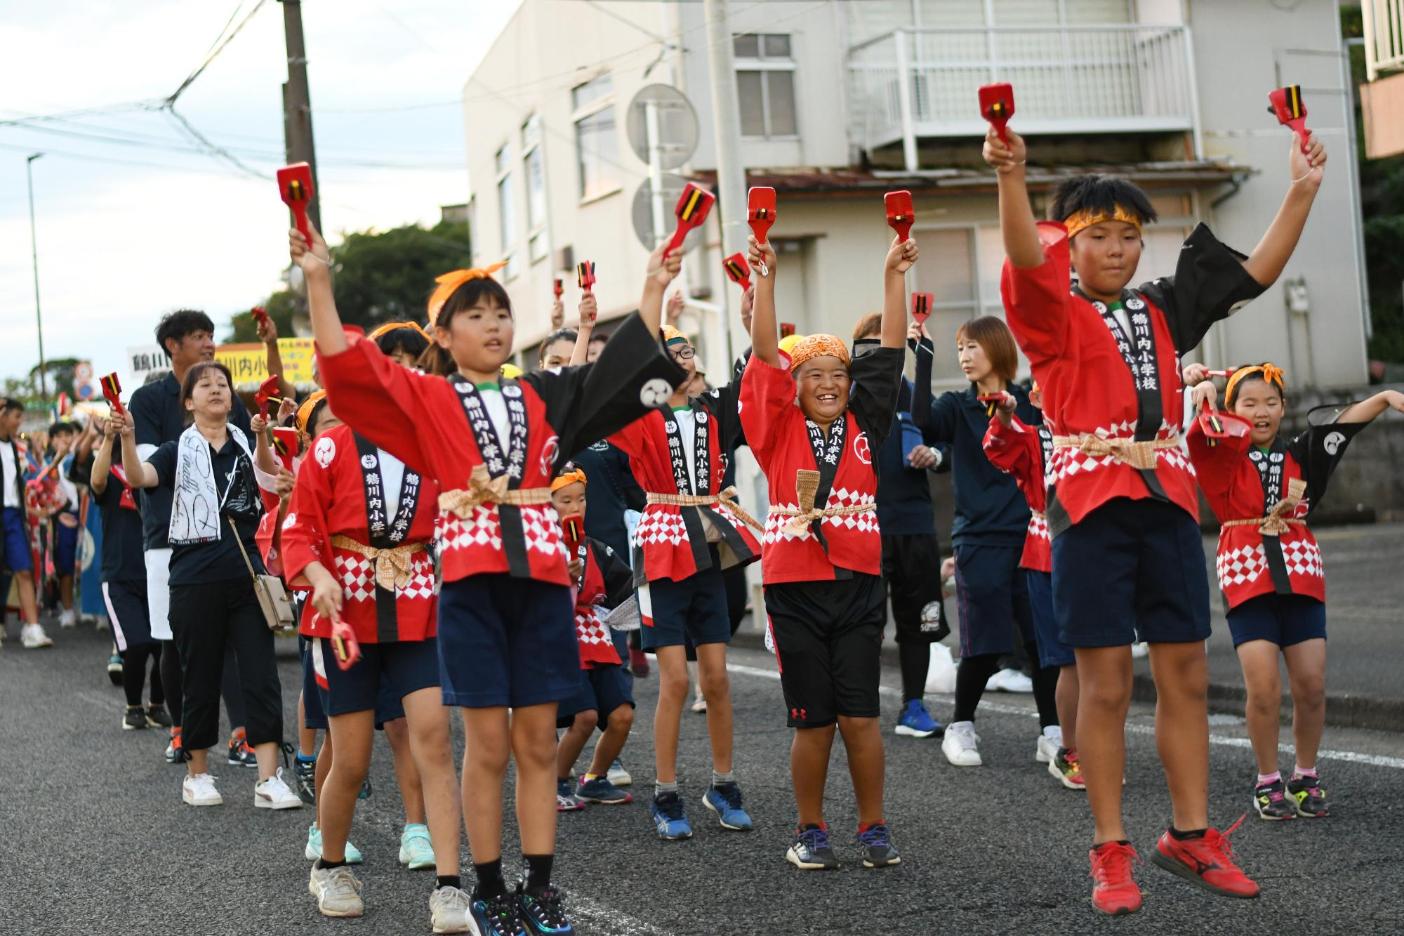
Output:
x,y
221,42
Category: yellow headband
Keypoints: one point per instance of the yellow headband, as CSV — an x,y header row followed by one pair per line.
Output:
x,y
567,478
1270,373
396,326
787,344
304,412
451,281
813,346
511,371
1079,221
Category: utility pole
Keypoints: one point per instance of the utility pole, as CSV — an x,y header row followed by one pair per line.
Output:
x,y
34,255
297,105
731,171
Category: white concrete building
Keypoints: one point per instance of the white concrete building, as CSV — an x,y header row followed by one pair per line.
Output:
x,y
841,101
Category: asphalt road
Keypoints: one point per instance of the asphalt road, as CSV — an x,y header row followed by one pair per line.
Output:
x,y
96,840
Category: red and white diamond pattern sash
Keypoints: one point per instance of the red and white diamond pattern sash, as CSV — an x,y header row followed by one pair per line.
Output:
x,y
591,629
357,576
1246,564
483,528
1068,462
776,521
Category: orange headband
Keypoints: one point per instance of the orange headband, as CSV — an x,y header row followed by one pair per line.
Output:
x,y
567,478
451,281
813,346
396,326
304,412
1270,373
1079,221
671,334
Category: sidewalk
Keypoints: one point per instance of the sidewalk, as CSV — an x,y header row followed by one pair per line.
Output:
x,y
1365,602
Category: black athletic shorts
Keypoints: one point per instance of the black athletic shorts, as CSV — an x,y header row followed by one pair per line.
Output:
x,y
828,643
911,565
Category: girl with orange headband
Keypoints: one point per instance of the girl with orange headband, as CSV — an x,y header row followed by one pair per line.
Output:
x,y
505,630
1123,509
1263,490
815,420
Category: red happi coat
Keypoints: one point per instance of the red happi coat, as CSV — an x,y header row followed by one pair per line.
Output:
x,y
421,420
1022,451
330,500
778,433
1243,483
606,582
1088,385
671,538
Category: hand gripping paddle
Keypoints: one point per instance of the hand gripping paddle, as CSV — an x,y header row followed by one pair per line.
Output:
x,y
997,106
584,275
760,212
1290,110
112,390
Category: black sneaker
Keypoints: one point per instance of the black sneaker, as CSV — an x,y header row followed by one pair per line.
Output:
x,y
543,912
175,752
135,719
1309,796
241,754
366,789
306,772
114,668
877,847
812,851
495,916
1272,803
157,715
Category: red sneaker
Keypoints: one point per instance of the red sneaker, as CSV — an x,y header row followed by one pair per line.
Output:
x,y
1207,861
1114,890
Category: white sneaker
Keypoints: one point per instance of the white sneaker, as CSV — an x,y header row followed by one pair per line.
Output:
x,y
337,891
68,618
961,745
618,775
273,793
313,851
448,911
1009,680
1139,650
102,623
1046,751
699,705
34,638
199,790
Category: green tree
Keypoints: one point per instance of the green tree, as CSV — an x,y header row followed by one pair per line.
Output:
x,y
387,276
281,307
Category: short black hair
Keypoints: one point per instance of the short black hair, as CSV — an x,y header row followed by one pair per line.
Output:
x,y
407,340
176,325
560,334
64,425
1101,194
598,338
192,377
11,405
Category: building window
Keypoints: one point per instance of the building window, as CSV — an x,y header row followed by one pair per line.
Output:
x,y
596,137
506,211
765,85
534,168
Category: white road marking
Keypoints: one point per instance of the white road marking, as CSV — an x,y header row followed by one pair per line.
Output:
x,y
603,919
1353,757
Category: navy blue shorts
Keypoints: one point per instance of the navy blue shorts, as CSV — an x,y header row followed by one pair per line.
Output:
x,y
1051,650
385,674
992,598
126,609
506,641
65,548
14,545
1281,619
314,716
602,689
693,610
1131,567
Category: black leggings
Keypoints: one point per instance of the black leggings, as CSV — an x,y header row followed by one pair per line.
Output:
x,y
975,671
207,619
173,683
134,661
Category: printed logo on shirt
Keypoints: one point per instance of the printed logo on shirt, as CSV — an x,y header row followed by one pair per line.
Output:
x,y
511,390
325,451
654,392
701,417
549,453
1135,304
368,462
671,426
861,448
1332,443
600,446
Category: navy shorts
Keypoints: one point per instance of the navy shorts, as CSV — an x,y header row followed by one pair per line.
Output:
x,y
14,545
693,610
314,716
126,609
992,597
602,689
1131,567
506,641
385,674
65,548
1051,650
1281,619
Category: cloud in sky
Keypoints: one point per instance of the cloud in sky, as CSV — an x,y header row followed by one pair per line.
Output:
x,y
133,220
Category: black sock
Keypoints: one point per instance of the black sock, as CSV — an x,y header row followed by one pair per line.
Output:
x,y
1183,836
971,676
449,880
915,658
1045,689
323,864
1116,842
490,883
538,871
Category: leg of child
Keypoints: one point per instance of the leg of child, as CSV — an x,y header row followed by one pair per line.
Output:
x,y
534,750
716,689
325,758
971,676
66,592
1066,700
574,741
1306,671
1181,673
1104,676
406,774
862,738
672,693
809,769
336,801
487,746
306,737
29,604
1264,705
427,722
611,743
1045,688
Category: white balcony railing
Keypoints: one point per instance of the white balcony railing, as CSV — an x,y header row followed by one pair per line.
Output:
x,y
911,84
1384,36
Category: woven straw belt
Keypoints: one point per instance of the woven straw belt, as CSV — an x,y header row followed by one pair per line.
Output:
x,y
806,487
394,567
1275,524
1137,454
726,498
485,489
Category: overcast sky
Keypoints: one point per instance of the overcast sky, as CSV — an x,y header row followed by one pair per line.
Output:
x,y
142,222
